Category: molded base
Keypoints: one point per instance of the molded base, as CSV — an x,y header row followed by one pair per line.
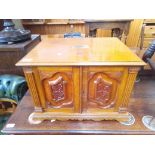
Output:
x,y
38,117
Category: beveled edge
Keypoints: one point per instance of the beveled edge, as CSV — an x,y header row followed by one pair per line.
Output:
x,y
134,63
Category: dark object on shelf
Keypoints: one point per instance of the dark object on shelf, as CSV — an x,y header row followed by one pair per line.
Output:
x,y
149,121
12,89
12,35
10,54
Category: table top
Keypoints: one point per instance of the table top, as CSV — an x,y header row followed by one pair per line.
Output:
x,y
80,52
141,103
21,45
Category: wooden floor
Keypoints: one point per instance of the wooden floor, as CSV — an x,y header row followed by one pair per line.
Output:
x,y
142,103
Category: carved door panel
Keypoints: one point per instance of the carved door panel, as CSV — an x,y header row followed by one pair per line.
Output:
x,y
102,88
57,89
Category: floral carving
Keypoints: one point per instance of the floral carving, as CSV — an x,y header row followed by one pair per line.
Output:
x,y
57,87
102,90
58,90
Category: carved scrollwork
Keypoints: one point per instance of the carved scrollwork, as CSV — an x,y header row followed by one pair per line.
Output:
x,y
102,90
58,89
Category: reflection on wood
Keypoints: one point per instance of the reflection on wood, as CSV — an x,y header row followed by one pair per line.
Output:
x,y
82,79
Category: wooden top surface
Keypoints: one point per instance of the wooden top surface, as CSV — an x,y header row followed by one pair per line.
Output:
x,y
80,52
141,103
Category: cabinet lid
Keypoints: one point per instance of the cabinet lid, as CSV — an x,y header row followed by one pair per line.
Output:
x,y
80,52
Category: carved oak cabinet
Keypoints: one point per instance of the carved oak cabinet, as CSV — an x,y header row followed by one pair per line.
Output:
x,y
80,79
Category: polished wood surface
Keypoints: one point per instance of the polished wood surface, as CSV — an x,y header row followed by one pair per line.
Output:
x,y
80,78
141,103
10,54
81,52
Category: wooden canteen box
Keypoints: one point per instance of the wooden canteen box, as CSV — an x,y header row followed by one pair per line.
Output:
x,y
80,79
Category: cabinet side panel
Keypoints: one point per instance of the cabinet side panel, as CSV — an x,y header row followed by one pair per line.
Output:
x,y
33,89
132,73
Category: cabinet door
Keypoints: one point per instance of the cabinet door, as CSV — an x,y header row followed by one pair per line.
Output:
x,y
56,86
102,88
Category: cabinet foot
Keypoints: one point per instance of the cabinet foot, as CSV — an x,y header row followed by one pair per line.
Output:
x,y
31,119
131,120
53,120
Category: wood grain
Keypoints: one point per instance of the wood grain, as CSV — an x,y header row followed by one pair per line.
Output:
x,y
149,31
10,54
134,33
56,28
103,33
80,52
149,20
29,75
128,88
